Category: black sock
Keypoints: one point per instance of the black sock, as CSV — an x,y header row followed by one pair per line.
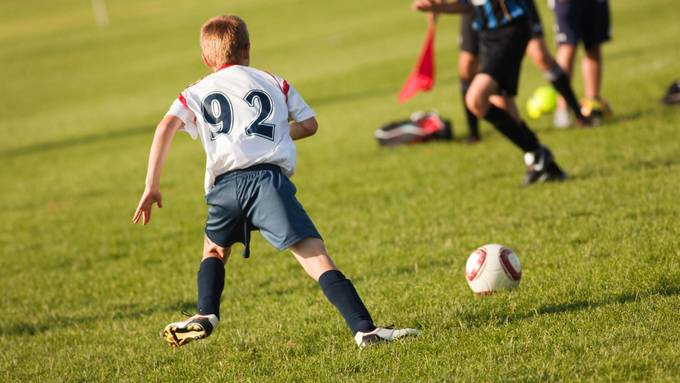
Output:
x,y
473,123
210,286
518,133
342,294
560,81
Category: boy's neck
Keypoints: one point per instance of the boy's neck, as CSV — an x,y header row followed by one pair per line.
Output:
x,y
219,68
227,65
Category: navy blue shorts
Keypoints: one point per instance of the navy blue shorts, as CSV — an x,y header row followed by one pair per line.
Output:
x,y
257,198
582,20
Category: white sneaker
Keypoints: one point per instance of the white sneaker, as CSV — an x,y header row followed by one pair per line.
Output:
x,y
561,119
195,328
381,334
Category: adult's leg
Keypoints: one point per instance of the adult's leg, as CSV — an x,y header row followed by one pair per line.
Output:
x,y
477,97
468,65
467,69
592,72
569,23
560,80
596,31
539,54
502,114
507,104
312,255
565,58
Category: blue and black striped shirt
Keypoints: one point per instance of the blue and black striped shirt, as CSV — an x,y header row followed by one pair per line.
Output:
x,y
491,14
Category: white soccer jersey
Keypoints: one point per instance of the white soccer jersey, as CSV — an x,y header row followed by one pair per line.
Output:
x,y
241,115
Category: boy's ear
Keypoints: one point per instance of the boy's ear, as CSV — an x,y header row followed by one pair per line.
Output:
x,y
205,60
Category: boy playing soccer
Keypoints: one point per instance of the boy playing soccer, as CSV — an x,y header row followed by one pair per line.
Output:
x,y
504,31
241,116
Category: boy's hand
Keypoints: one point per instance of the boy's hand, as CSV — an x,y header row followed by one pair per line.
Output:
x,y
424,5
143,211
440,6
165,131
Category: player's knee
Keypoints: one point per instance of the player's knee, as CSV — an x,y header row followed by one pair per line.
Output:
x,y
545,61
217,252
593,52
476,104
540,55
315,267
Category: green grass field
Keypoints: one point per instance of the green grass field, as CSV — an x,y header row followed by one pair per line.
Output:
x,y
85,293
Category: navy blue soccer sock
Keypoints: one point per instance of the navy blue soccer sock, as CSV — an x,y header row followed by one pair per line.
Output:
x,y
342,294
472,121
518,133
210,286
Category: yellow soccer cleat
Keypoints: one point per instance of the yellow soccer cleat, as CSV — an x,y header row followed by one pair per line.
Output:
x,y
596,110
195,328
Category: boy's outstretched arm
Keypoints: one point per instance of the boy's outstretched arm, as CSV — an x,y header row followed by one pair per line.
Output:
x,y
441,6
165,131
303,128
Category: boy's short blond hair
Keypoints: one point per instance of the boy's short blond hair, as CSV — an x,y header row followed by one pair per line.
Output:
x,y
224,40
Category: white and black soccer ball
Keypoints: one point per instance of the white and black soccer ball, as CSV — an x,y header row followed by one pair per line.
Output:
x,y
492,268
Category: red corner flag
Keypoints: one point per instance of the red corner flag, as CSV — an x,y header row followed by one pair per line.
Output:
x,y
422,76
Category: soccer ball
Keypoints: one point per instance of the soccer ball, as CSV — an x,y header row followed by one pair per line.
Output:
x,y
543,100
547,98
491,268
534,108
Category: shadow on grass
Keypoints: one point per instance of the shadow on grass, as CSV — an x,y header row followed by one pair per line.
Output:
x,y
74,142
631,166
611,122
115,313
663,288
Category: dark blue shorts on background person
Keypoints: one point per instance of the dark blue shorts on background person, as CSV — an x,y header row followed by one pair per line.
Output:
x,y
257,198
582,20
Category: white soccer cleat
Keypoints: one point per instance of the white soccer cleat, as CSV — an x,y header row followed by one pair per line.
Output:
x,y
195,328
381,334
561,118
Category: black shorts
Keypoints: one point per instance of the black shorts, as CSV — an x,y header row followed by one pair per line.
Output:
x,y
469,38
501,51
582,20
534,20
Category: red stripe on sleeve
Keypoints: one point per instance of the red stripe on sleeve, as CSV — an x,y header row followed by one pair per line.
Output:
x,y
183,100
285,89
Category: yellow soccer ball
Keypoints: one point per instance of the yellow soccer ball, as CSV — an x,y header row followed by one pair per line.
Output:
x,y
534,108
547,98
